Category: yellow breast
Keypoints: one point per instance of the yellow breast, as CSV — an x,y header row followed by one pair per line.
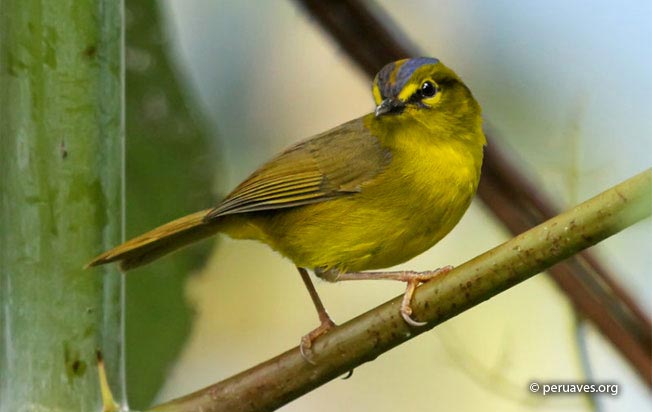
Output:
x,y
404,211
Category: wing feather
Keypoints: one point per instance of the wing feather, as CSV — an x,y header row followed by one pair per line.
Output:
x,y
330,165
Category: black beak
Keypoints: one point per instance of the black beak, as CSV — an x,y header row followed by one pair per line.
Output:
x,y
390,105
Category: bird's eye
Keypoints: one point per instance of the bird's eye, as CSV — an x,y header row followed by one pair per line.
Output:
x,y
427,89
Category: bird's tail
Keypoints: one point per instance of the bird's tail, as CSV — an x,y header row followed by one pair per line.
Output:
x,y
160,241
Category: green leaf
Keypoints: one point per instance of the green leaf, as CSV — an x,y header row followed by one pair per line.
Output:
x,y
171,162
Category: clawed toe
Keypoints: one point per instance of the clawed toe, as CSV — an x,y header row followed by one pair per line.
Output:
x,y
413,280
307,340
304,349
408,319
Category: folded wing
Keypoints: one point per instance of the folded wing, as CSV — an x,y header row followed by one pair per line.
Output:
x,y
336,163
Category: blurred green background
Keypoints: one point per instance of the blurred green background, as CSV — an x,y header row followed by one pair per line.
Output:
x,y
214,88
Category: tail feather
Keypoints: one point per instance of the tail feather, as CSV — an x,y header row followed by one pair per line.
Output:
x,y
160,241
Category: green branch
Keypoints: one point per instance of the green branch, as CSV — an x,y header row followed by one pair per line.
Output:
x,y
61,162
288,376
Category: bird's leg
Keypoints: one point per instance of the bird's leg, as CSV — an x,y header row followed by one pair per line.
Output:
x,y
413,279
325,321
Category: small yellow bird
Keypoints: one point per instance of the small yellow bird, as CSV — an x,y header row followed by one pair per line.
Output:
x,y
371,193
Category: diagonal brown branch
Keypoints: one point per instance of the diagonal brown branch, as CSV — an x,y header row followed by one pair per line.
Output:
x,y
284,378
364,35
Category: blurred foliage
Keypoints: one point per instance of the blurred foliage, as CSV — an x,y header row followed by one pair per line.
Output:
x,y
169,172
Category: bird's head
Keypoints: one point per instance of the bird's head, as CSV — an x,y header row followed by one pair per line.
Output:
x,y
424,89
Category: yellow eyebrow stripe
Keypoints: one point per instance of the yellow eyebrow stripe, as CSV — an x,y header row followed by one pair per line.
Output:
x,y
408,91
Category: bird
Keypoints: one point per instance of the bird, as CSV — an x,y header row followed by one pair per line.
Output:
x,y
368,194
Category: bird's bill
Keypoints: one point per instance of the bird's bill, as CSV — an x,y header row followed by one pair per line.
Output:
x,y
388,106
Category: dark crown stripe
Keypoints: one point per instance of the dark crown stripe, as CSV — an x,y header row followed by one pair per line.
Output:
x,y
405,71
